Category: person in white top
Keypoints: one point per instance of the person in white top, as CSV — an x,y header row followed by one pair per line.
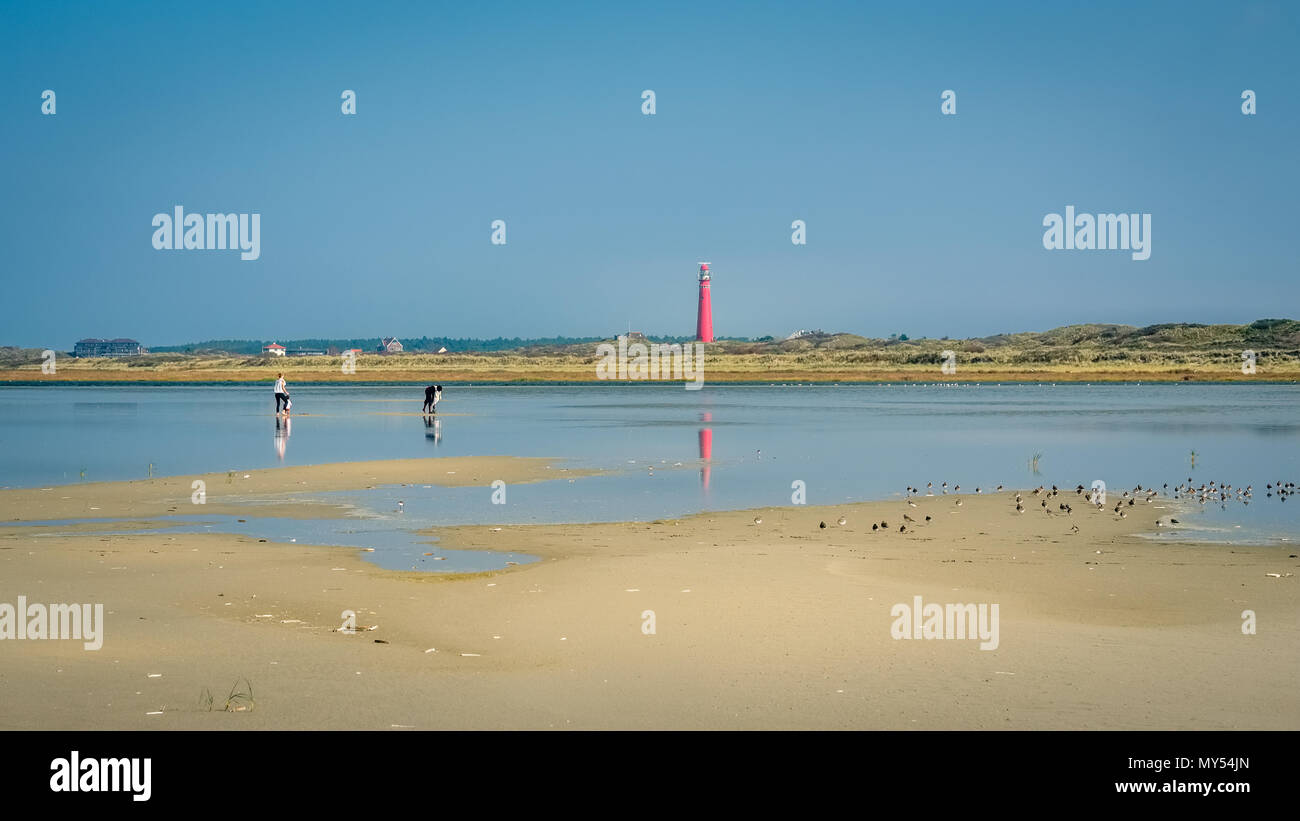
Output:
x,y
432,396
281,395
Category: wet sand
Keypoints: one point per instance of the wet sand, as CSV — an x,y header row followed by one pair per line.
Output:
x,y
775,625
283,492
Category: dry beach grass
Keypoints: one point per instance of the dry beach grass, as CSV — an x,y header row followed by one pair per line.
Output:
x,y
1088,353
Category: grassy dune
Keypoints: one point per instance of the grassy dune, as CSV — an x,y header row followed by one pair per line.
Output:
x,y
1073,353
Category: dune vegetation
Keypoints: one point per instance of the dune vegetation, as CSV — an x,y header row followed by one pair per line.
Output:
x,y
1169,352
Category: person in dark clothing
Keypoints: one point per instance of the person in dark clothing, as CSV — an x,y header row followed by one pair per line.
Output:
x,y
432,395
281,394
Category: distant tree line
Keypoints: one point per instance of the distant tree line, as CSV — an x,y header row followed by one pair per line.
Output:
x,y
423,344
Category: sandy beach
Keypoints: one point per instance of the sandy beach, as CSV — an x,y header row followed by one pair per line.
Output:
x,y
272,492
782,624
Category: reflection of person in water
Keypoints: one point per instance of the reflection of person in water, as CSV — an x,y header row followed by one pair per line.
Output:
x,y
432,395
433,429
282,429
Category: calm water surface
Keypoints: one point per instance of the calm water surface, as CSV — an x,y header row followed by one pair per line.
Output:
x,y
723,447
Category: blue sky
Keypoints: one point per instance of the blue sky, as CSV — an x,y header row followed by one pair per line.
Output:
x,y
379,223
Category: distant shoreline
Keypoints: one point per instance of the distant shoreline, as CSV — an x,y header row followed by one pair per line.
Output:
x,y
71,377
1267,350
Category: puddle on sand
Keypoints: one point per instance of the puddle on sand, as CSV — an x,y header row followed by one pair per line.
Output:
x,y
396,545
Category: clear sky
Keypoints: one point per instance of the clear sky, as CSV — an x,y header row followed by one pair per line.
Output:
x,y
379,223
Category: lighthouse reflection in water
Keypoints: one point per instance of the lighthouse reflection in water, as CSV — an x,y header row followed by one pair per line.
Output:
x,y
706,451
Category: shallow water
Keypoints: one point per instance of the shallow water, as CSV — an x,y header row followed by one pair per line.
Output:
x,y
395,543
723,447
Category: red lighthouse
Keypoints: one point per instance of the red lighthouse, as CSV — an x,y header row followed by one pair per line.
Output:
x,y
704,321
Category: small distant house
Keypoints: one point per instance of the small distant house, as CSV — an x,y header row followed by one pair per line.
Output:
x,y
274,349
389,344
107,347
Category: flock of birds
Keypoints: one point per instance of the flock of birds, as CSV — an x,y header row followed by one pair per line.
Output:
x,y
1205,493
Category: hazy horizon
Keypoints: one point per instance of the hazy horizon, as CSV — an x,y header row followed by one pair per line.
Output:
x,y
649,333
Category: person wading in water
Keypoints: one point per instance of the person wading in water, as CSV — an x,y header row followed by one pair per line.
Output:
x,y
281,394
432,395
